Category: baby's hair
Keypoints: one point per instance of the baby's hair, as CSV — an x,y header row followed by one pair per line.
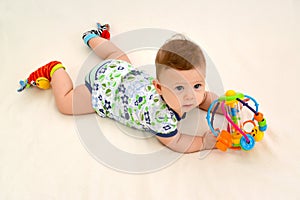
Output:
x,y
181,54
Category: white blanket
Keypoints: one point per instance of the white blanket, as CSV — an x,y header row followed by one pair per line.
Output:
x,y
255,48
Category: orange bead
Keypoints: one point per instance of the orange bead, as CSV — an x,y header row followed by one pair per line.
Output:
x,y
225,138
259,117
221,146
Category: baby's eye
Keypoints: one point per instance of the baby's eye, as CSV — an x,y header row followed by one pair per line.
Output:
x,y
197,86
179,88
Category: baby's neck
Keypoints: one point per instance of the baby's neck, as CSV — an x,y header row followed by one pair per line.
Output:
x,y
179,113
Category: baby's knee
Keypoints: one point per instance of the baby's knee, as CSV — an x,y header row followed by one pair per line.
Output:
x,y
64,108
118,55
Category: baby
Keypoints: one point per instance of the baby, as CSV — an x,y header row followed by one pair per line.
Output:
x,y
117,90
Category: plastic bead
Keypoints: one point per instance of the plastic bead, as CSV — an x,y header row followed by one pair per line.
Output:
x,y
263,122
236,137
236,148
259,117
245,145
263,128
225,138
230,93
257,134
221,146
233,111
236,145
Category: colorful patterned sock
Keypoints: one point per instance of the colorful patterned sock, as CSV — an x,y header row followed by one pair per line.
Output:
x,y
104,30
101,31
42,76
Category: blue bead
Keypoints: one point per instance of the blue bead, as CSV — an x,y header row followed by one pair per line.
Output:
x,y
233,111
247,146
263,128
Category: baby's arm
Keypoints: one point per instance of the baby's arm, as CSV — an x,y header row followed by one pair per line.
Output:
x,y
209,97
188,144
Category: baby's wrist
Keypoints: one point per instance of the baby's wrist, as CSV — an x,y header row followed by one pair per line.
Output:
x,y
208,141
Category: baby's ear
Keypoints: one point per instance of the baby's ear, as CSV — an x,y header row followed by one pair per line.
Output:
x,y
157,86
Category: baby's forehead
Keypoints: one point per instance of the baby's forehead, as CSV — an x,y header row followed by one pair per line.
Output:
x,y
170,75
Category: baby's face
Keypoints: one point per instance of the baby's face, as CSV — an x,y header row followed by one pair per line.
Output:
x,y
182,90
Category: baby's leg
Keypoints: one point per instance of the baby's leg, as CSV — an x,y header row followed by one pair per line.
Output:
x,y
105,49
70,100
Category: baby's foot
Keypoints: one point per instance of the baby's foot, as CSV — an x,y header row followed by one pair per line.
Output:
x,y
41,77
103,27
101,31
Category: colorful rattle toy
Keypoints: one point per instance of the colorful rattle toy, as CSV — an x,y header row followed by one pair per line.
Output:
x,y
236,136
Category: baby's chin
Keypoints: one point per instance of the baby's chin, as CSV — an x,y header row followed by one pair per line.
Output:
x,y
187,108
184,109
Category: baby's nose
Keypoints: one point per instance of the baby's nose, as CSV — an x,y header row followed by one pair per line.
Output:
x,y
189,95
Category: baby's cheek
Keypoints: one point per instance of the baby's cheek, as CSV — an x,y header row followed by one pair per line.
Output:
x,y
200,97
176,101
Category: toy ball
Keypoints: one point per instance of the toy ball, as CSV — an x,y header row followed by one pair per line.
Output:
x,y
240,134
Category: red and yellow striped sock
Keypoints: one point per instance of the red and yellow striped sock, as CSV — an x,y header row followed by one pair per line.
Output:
x,y
42,76
46,70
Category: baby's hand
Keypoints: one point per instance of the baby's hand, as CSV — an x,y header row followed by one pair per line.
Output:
x,y
209,140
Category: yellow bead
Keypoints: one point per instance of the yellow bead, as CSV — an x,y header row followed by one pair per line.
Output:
x,y
236,137
230,93
257,134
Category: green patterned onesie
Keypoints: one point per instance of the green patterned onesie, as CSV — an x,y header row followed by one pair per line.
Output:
x,y
123,93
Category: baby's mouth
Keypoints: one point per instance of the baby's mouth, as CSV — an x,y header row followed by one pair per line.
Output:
x,y
188,105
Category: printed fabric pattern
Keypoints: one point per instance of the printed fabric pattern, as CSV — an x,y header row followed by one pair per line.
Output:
x,y
127,95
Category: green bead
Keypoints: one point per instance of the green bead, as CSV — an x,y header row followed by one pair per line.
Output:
x,y
263,122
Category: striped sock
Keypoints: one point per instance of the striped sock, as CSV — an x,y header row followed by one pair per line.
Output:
x,y
41,77
101,31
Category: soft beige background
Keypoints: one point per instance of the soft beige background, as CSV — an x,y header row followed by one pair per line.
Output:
x,y
255,46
